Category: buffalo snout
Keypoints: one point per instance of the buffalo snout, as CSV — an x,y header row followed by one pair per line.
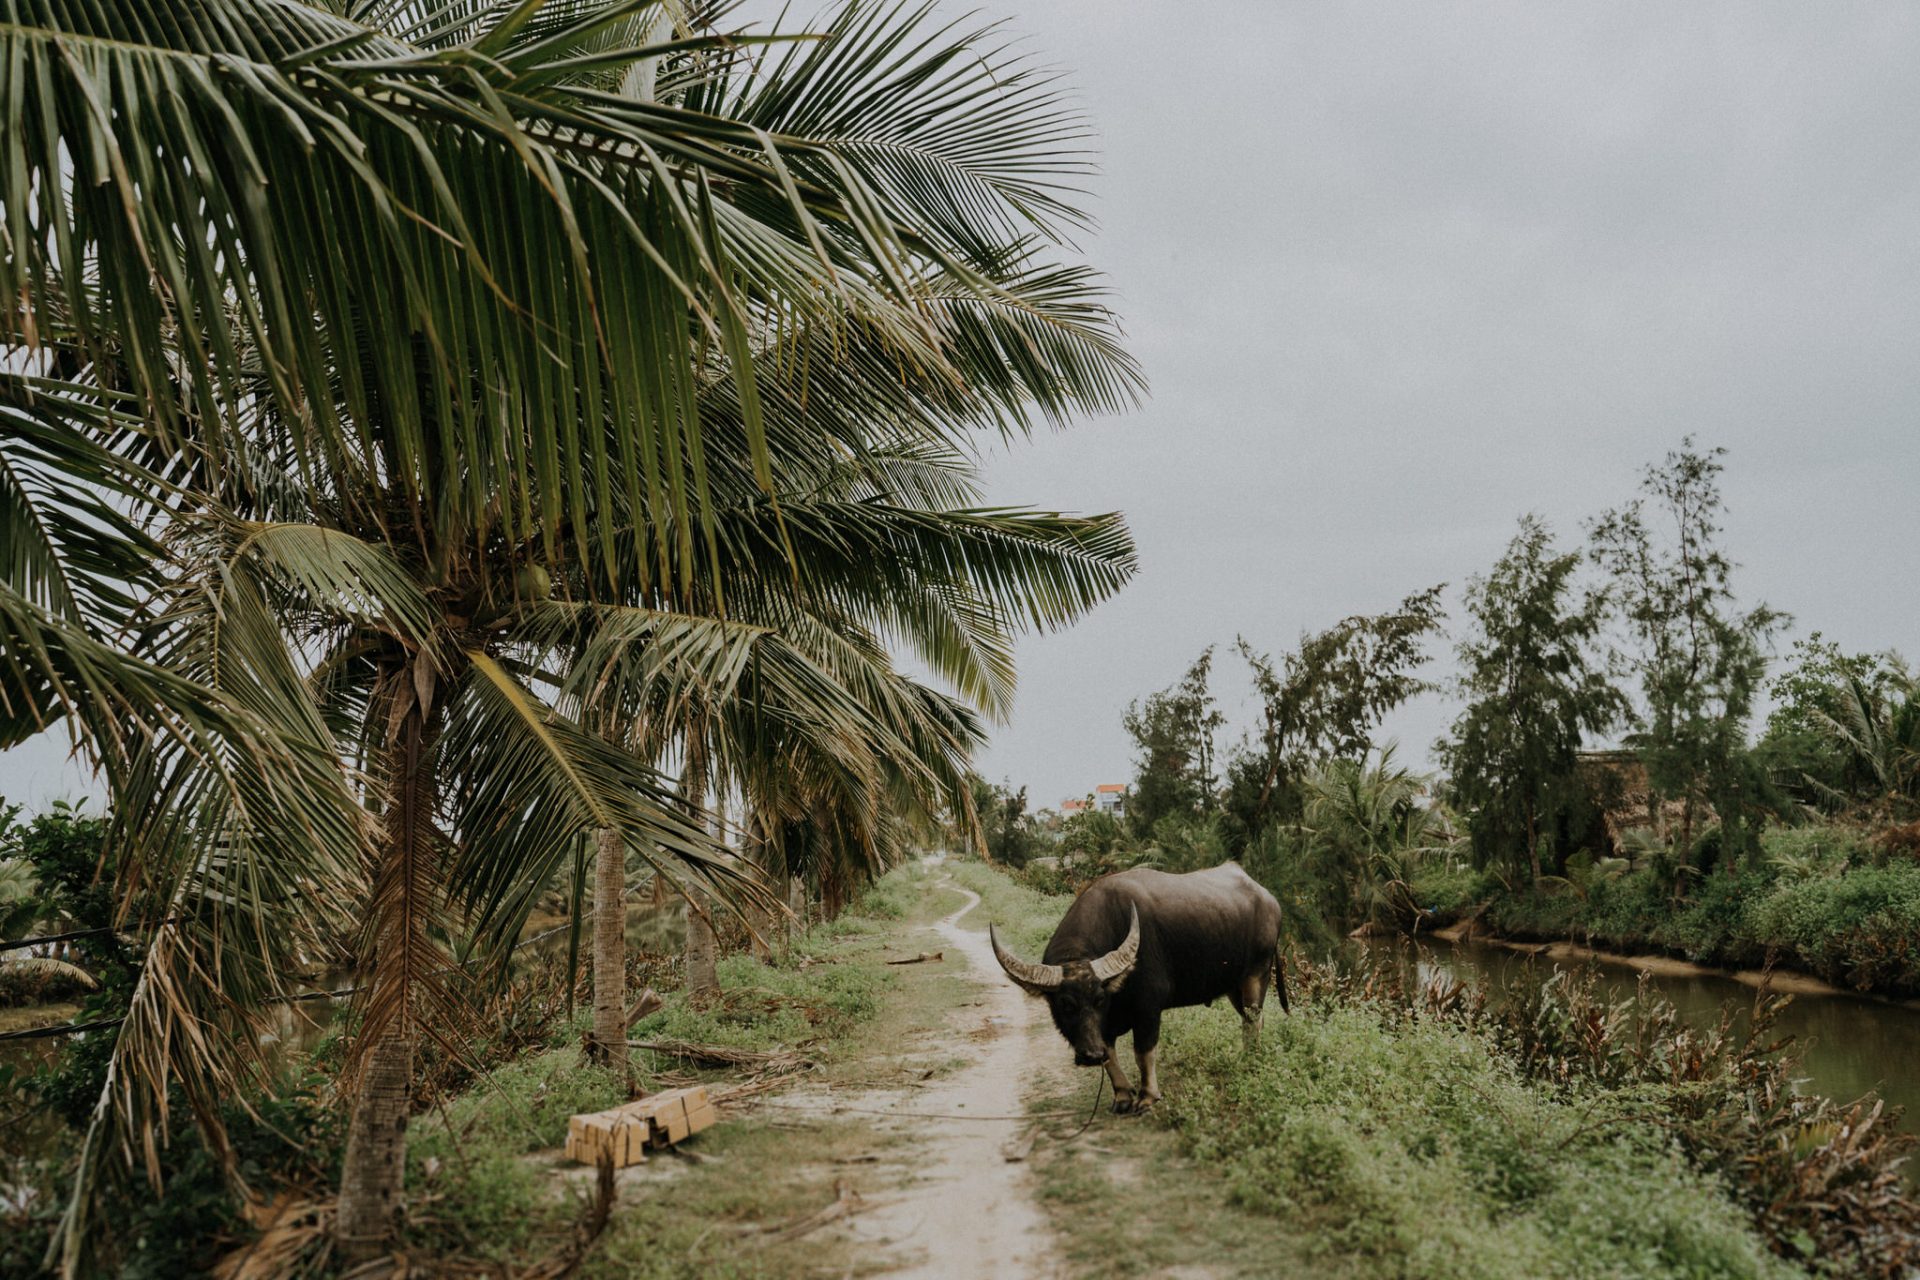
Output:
x,y
1089,1058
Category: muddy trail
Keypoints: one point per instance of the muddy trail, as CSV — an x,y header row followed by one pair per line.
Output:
x,y
964,1202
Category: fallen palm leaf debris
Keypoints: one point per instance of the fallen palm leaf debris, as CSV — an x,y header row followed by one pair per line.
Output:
x,y
846,1203
649,1002
925,957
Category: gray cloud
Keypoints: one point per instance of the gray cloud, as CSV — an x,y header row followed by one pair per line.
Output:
x,y
1402,273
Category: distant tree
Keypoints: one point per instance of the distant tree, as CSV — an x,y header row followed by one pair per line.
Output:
x,y
1323,701
1366,826
1532,693
1799,749
1005,825
1173,733
1094,844
1876,731
1700,658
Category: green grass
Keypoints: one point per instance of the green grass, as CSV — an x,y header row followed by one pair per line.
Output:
x,y
1125,1200
1347,1149
465,1169
1351,1148
1024,918
1418,1151
1353,1145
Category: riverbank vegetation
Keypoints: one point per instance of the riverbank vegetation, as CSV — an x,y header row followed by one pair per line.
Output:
x,y
1609,778
1399,1126
1391,1127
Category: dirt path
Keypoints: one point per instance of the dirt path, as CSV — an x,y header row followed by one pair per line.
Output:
x,y
964,1209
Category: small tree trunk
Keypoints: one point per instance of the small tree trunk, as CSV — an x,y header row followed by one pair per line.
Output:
x,y
1533,847
762,918
703,952
833,892
376,1162
609,1043
796,903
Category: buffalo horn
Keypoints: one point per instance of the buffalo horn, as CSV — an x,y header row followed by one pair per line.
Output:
x,y
1037,978
1118,963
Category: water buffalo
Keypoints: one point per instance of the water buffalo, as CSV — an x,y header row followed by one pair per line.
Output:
x,y
1140,942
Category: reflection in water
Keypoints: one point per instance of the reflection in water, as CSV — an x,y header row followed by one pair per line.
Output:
x,y
1849,1046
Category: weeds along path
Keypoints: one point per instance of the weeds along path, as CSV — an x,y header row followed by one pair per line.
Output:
x,y
964,1210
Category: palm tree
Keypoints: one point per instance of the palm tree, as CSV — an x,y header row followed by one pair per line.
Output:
x,y
1366,817
1877,730
420,310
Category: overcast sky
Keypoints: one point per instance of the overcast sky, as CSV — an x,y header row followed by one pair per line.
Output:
x,y
1400,273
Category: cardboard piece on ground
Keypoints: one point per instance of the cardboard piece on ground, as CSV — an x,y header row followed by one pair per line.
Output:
x,y
659,1120
622,1138
676,1114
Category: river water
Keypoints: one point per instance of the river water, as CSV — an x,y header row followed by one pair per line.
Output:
x,y
1849,1045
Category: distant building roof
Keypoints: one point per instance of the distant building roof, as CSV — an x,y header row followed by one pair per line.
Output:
x,y
1111,786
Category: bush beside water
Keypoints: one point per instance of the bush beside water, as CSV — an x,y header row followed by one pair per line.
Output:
x,y
1419,1147
1820,899
1541,1129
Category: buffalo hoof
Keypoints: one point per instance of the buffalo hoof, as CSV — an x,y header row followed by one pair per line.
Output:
x,y
1123,1104
1144,1101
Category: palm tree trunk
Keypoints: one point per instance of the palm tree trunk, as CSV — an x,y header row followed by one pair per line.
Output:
x,y
609,1043
833,891
762,918
702,954
703,950
373,1171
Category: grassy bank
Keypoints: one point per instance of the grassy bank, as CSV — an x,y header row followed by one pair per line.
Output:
x,y
1388,1128
1384,1129
1413,1151
1820,900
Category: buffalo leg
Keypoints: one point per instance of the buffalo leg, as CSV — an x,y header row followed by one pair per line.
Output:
x,y
1122,1091
1250,999
1149,1077
1146,1045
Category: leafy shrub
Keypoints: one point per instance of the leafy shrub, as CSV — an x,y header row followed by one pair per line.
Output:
x,y
1859,929
1445,893
1184,842
1824,1183
288,1136
1817,846
765,1007
1418,1146
1824,898
1713,928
